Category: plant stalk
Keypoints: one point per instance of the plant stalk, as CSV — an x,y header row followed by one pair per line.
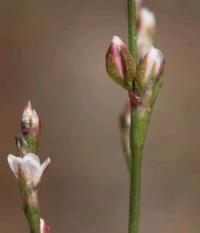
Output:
x,y
132,33
32,212
140,117
30,197
31,207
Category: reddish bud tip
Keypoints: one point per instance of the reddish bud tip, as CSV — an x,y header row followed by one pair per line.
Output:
x,y
30,121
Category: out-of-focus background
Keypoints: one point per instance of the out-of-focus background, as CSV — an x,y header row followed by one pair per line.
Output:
x,y
52,52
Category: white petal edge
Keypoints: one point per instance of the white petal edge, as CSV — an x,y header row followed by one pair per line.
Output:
x,y
45,164
14,164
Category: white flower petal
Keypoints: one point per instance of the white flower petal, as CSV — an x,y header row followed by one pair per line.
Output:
x,y
43,226
31,156
45,164
31,167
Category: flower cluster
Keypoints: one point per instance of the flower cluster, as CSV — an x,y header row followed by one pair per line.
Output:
x,y
28,169
141,77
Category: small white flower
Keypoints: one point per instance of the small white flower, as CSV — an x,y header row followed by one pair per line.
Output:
x,y
43,226
28,168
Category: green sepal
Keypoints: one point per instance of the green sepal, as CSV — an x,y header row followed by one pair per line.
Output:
x,y
156,89
144,85
32,142
140,84
130,66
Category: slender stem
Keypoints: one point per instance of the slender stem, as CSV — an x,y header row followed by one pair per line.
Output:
x,y
31,208
132,34
33,216
141,118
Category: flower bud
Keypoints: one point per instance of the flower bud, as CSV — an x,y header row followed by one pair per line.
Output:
x,y
147,23
151,67
30,127
44,228
30,120
138,4
120,63
146,32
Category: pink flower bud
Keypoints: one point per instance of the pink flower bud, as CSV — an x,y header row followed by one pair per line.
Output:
x,y
154,63
30,121
150,68
28,169
120,63
146,32
44,228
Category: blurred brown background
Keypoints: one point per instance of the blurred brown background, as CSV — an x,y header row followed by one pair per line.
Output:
x,y
52,52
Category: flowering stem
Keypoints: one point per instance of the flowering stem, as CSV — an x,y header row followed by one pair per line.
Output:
x,y
140,117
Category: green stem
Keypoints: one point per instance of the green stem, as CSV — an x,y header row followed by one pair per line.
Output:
x,y
31,208
132,34
32,215
141,117
139,123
